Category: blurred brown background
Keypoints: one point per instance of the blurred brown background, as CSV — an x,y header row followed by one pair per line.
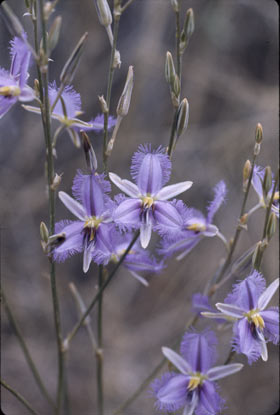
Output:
x,y
230,77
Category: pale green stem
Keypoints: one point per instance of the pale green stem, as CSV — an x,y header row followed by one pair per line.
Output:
x,y
97,296
50,171
99,354
223,239
19,397
109,90
254,209
126,5
25,350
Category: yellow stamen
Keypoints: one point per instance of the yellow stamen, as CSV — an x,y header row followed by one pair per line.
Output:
x,y
10,91
197,227
253,316
93,224
147,201
193,383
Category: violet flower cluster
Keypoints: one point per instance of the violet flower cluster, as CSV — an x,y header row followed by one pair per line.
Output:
x,y
13,84
254,325
194,388
257,182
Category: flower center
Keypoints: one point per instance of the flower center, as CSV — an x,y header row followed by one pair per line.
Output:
x,y
10,91
196,227
196,380
92,223
253,316
147,201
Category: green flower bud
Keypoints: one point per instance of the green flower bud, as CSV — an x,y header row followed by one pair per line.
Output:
x,y
267,180
182,117
271,225
103,12
170,72
124,101
54,34
259,133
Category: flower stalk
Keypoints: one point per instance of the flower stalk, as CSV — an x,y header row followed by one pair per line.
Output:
x,y
19,397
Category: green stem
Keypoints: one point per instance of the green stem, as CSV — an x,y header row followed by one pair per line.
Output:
x,y
268,210
151,376
99,353
25,350
109,90
50,172
128,3
217,277
19,397
102,288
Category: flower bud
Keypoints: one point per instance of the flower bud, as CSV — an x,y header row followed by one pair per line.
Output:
x,y
257,149
246,174
49,8
169,68
182,117
257,256
44,232
117,59
271,225
175,5
69,69
57,239
54,34
36,87
103,104
103,12
267,180
89,152
56,181
187,31
259,133
175,86
124,101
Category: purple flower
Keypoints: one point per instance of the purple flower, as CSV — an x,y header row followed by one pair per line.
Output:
x,y
66,111
193,388
257,181
148,204
254,324
13,86
137,261
194,225
93,209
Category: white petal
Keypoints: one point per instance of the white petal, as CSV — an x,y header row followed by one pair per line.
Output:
x,y
219,372
139,278
264,353
125,185
87,256
75,207
268,294
173,190
211,230
36,110
214,315
145,234
230,310
190,407
180,363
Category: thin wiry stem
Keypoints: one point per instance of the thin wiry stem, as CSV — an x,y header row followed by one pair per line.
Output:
x,y
146,382
218,276
109,89
50,172
126,5
19,397
104,285
25,350
99,353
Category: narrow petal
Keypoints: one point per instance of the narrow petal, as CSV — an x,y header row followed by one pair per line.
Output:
x,y
145,232
230,310
139,278
191,405
264,353
180,363
125,185
75,207
268,294
208,314
173,190
211,230
219,372
128,213
89,247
